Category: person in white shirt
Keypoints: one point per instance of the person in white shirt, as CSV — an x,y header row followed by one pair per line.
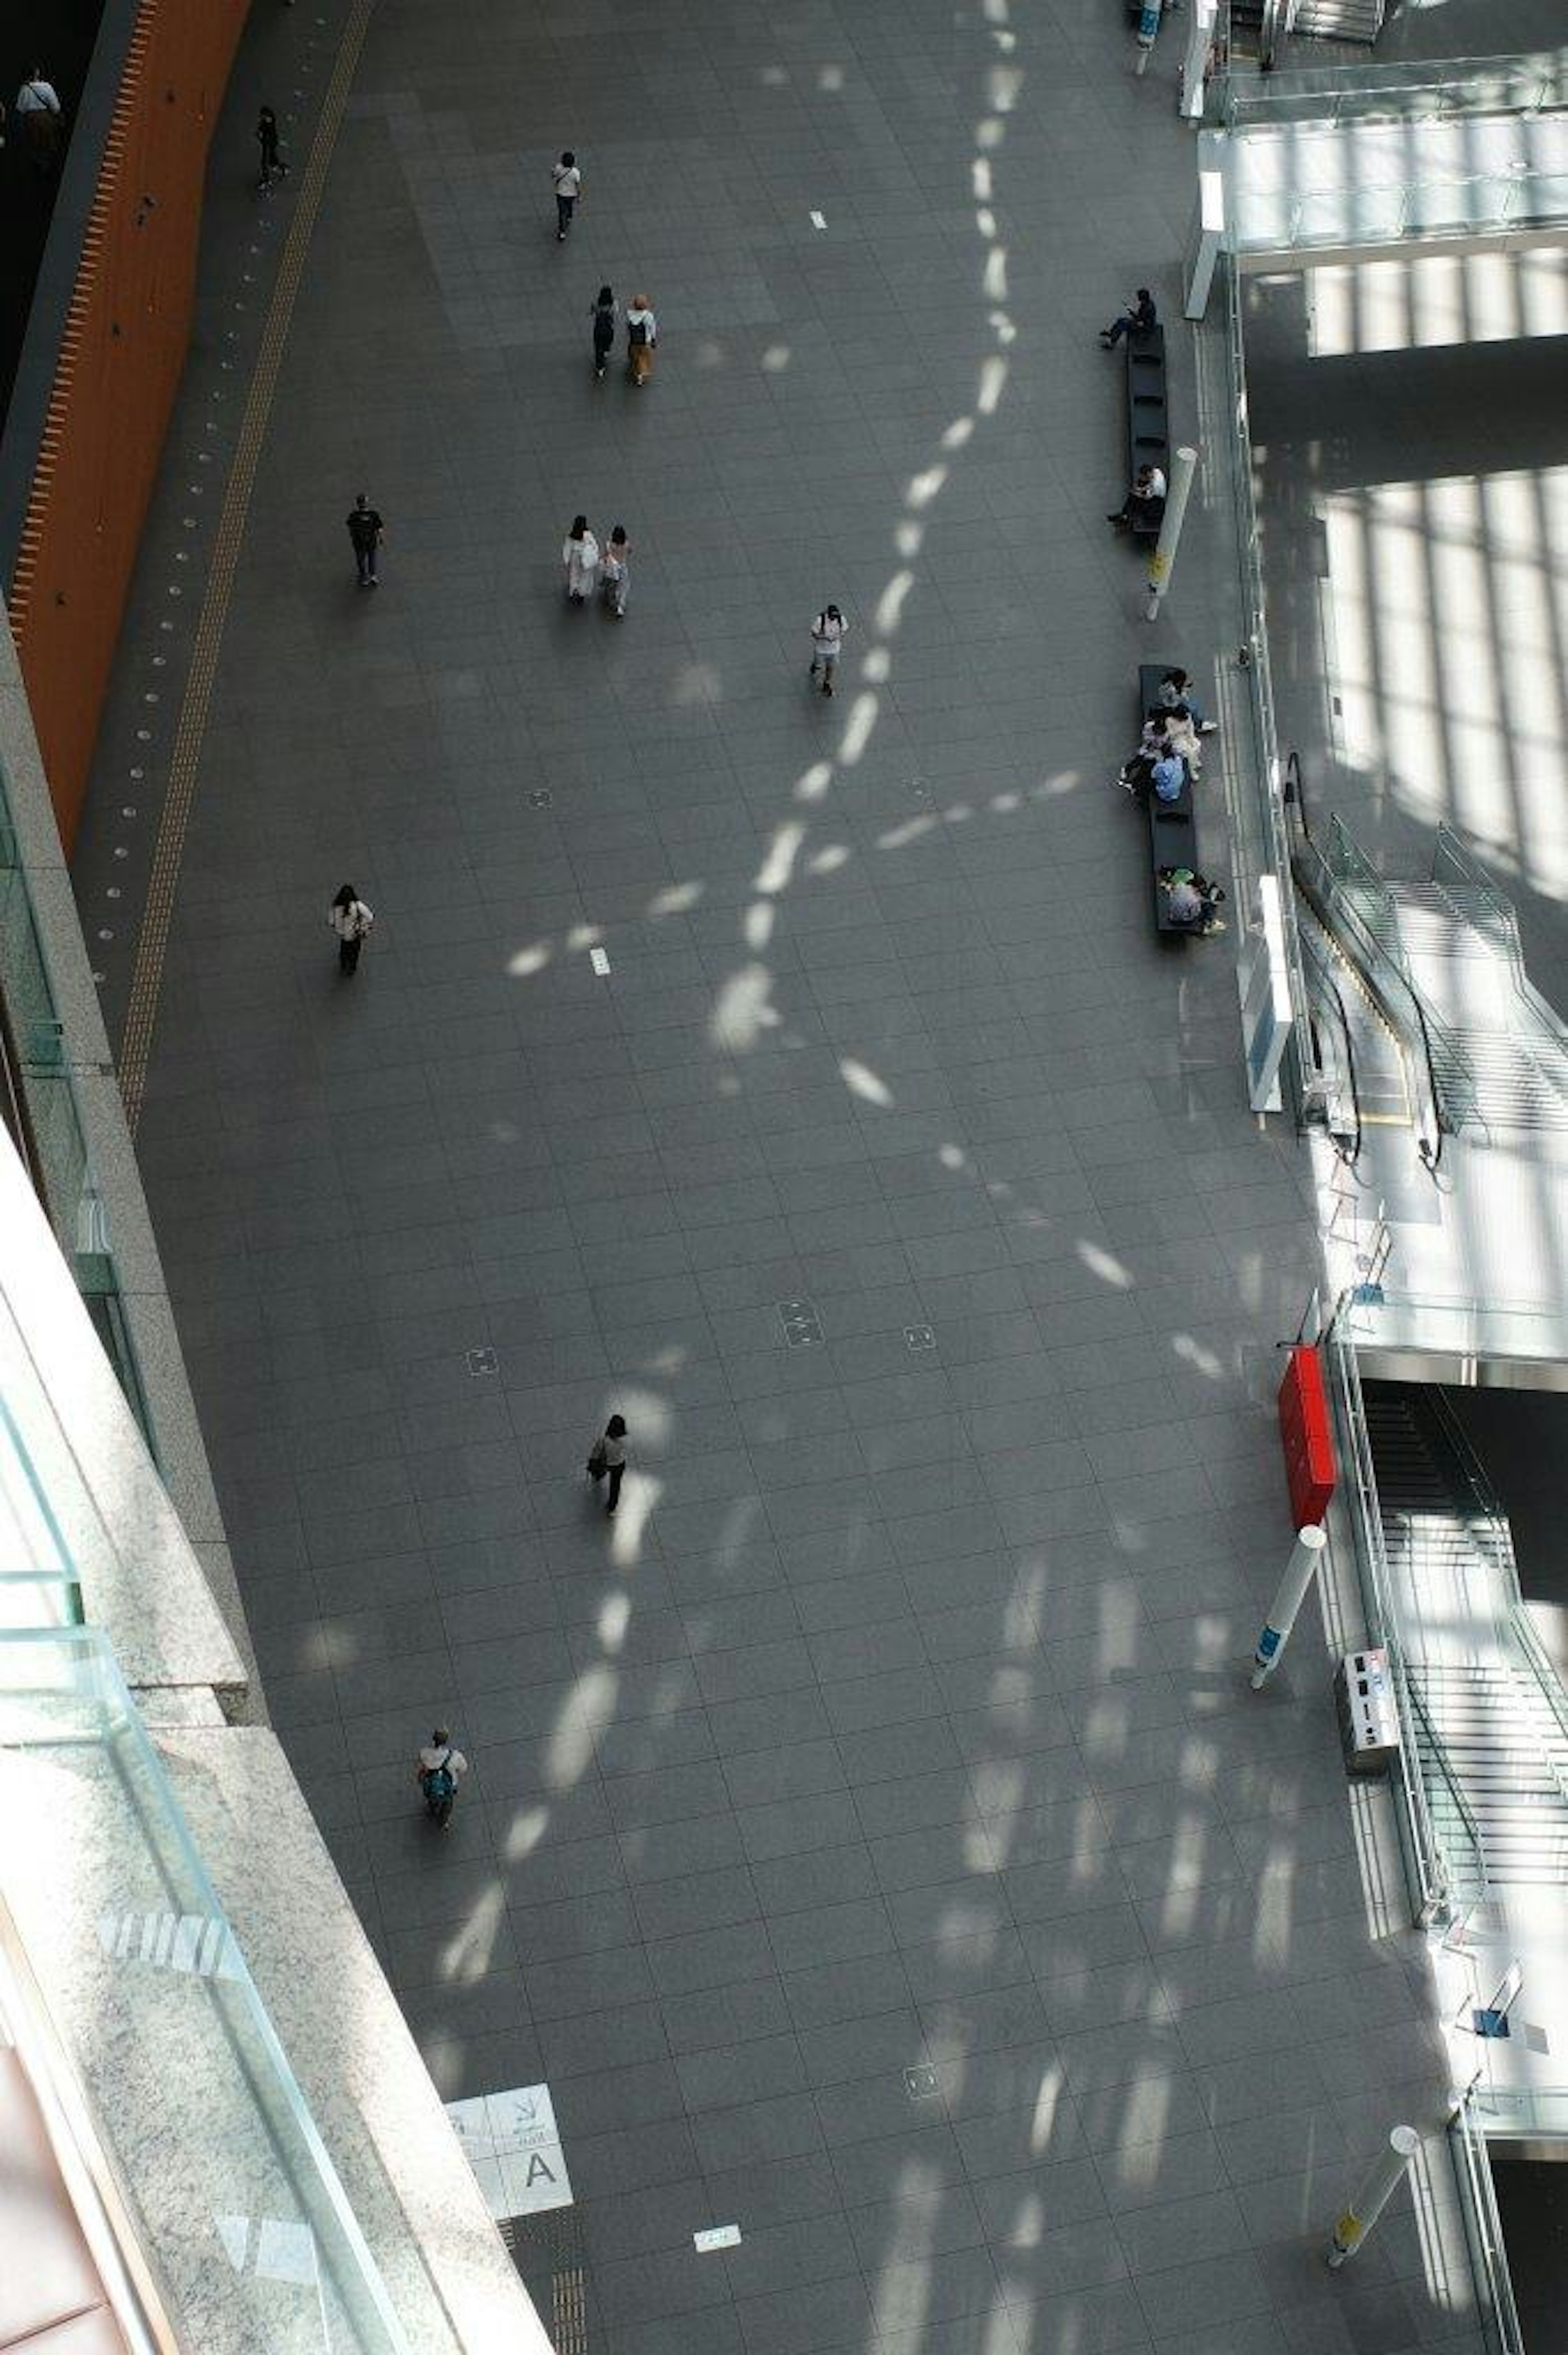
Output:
x,y
37,103
351,920
438,1771
642,335
579,561
828,633
568,183
617,580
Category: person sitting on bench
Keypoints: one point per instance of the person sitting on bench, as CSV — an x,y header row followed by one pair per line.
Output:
x,y
1164,733
1165,775
1144,504
1140,314
1176,693
1192,899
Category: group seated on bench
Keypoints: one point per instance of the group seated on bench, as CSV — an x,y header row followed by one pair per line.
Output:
x,y
1160,774
1147,428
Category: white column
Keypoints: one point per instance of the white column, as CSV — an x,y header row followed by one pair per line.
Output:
x,y
1183,466
1305,1555
1203,250
1200,33
1373,2196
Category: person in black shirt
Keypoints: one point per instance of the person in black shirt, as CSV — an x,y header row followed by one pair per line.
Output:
x,y
267,140
1139,316
367,530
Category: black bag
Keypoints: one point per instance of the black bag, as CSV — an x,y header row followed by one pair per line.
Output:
x,y
598,1460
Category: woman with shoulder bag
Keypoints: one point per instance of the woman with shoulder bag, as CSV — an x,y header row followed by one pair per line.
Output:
x,y
351,920
607,1456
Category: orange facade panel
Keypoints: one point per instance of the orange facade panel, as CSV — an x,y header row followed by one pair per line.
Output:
x,y
115,379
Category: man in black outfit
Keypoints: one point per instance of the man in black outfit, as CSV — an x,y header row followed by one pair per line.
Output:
x,y
366,529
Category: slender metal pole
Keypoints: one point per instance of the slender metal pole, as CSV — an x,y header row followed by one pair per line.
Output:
x,y
1183,466
1305,1555
1374,2197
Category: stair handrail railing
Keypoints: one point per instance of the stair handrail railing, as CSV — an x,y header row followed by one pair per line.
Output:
x,y
1483,2222
1348,864
1453,864
1471,1889
1429,1862
1516,1627
1313,871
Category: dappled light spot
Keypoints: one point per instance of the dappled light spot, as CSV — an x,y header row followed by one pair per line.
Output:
x,y
898,836
614,1618
952,1157
524,1832
697,683
1104,1264
857,732
994,276
773,77
1005,331
861,1082
585,936
1042,2124
830,77
922,488
815,783
830,859
675,899
956,813
744,1010
523,961
651,1416
979,176
638,1499
985,221
757,924
776,358
1005,804
993,380
467,1955
1193,1353
1145,2113
890,604
589,1705
908,538
958,432
1005,82
877,666
989,134
1056,788
775,870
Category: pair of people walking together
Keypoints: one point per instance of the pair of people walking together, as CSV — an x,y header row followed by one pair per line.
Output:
x,y
586,566
642,335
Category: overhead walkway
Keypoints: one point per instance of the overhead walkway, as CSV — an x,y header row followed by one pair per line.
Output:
x,y
1327,165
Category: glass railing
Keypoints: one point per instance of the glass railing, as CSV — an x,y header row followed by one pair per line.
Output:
x,y
1254,770
1483,2228
1464,1333
60,1160
1440,1875
1383,89
216,2159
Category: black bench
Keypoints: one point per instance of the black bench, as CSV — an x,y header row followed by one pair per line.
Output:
x,y
1173,825
1147,423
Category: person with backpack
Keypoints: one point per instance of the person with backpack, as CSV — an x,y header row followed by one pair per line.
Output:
x,y
438,1772
607,1457
366,531
827,640
604,311
642,335
351,920
42,119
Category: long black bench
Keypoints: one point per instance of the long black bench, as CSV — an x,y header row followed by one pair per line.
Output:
x,y
1173,825
1148,421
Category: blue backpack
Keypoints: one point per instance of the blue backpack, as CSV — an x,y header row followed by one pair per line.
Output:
x,y
1169,776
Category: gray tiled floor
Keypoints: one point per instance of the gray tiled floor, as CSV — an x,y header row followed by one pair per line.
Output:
x,y
900,1721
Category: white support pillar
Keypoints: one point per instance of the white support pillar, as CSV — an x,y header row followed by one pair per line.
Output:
x,y
1196,65
1205,251
1304,1556
1183,466
1374,2195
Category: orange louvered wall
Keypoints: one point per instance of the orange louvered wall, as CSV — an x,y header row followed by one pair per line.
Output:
x,y
115,379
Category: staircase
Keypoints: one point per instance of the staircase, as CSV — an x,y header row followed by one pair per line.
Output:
x,y
1459,942
1491,1721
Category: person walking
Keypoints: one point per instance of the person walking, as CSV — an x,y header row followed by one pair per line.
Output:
x,y
603,329
828,632
616,574
642,335
351,920
272,161
579,561
438,1770
607,1459
38,105
568,183
366,531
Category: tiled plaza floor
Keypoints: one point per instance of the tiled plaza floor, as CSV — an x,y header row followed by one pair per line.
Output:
x,y
900,1722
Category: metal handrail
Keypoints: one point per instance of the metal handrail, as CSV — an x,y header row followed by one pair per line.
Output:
x,y
1472,1828
1430,1869
1477,2200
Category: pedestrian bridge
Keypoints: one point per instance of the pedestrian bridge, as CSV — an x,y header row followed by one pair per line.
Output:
x,y
1339,166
